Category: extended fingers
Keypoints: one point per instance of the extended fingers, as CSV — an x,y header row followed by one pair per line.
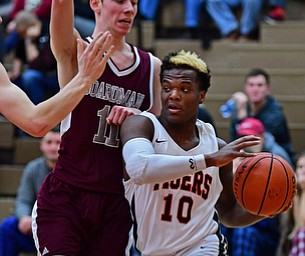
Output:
x,y
118,114
102,44
247,141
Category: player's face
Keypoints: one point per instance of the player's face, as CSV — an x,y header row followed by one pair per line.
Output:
x,y
180,95
117,16
257,89
49,145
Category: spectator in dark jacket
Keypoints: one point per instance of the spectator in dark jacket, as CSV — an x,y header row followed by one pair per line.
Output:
x,y
257,101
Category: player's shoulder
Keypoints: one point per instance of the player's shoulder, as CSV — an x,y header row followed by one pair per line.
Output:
x,y
142,119
156,62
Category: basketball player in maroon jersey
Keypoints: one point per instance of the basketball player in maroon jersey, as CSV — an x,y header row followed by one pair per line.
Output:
x,y
37,120
81,208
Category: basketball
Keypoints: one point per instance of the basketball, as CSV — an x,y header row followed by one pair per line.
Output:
x,y
264,184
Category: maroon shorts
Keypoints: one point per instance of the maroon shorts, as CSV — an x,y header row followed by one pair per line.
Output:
x,y
70,221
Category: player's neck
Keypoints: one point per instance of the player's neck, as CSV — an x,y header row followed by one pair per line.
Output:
x,y
123,57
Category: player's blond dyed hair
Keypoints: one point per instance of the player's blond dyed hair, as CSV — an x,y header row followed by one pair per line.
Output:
x,y
191,59
187,60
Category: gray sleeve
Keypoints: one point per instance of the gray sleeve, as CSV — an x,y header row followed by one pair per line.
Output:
x,y
29,186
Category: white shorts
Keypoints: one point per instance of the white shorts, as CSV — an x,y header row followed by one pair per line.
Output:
x,y
210,246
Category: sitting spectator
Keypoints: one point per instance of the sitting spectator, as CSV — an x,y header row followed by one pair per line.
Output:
x,y
257,101
221,11
253,126
83,18
16,231
40,8
293,235
5,8
34,66
148,10
298,239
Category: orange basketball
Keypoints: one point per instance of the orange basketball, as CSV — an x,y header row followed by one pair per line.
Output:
x,y
264,184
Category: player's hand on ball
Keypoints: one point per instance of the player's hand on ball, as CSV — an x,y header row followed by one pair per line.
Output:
x,y
229,152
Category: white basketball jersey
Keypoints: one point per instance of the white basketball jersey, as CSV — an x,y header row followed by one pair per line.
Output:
x,y
173,215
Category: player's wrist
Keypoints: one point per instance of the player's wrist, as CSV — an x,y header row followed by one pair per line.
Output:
x,y
200,162
210,160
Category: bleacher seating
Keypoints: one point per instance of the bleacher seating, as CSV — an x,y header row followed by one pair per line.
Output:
x,y
280,50
14,154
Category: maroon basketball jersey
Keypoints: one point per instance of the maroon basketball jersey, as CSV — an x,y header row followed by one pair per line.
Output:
x,y
90,152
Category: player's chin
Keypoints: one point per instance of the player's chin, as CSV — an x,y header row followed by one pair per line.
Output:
x,y
124,29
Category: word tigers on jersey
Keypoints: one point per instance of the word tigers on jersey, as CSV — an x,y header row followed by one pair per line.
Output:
x,y
199,183
116,94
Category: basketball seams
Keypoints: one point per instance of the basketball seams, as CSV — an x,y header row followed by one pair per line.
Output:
x,y
267,182
245,181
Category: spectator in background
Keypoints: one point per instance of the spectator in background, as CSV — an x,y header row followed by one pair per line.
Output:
x,y
34,66
83,18
293,235
40,8
221,11
257,101
253,126
5,8
298,240
16,231
148,10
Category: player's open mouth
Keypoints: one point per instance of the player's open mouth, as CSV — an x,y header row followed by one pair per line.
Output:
x,y
128,22
173,108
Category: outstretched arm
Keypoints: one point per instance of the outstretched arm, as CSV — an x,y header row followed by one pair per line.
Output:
x,y
143,165
37,120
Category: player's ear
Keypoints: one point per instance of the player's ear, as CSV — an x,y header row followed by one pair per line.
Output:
x,y
202,96
95,5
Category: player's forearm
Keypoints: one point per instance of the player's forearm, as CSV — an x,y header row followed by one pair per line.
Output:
x,y
236,217
143,165
49,113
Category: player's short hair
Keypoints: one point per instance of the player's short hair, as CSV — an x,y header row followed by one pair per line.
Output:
x,y
187,60
258,72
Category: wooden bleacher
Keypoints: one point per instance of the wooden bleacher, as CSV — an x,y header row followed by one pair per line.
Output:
x,y
14,154
280,50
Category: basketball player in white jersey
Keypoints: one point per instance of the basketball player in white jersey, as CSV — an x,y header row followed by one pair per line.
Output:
x,y
179,174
